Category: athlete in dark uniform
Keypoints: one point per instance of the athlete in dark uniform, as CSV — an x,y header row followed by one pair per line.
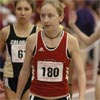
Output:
x,y
14,36
15,57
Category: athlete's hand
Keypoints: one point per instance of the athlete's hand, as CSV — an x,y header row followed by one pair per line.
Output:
x,y
2,86
2,91
72,18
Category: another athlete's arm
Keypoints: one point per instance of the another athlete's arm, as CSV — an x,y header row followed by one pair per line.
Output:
x,y
87,40
3,37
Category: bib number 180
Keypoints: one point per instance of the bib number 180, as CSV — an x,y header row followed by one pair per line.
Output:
x,y
50,72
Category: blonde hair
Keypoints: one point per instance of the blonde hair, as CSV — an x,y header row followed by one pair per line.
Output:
x,y
55,3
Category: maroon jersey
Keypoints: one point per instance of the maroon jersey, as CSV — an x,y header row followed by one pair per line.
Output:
x,y
51,68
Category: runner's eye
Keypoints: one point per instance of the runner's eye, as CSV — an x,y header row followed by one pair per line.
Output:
x,y
50,15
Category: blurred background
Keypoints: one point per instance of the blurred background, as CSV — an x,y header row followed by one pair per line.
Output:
x,y
88,20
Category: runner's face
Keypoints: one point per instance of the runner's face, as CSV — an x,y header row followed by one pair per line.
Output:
x,y
50,18
23,11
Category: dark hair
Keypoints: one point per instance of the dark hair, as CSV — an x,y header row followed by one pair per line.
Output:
x,y
88,2
29,1
96,4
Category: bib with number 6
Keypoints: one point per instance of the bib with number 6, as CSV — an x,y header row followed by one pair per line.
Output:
x,y
18,53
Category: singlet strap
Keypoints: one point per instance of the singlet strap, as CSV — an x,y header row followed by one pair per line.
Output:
x,y
12,29
34,29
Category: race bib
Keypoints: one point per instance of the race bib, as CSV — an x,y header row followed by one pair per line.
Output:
x,y
49,71
18,53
